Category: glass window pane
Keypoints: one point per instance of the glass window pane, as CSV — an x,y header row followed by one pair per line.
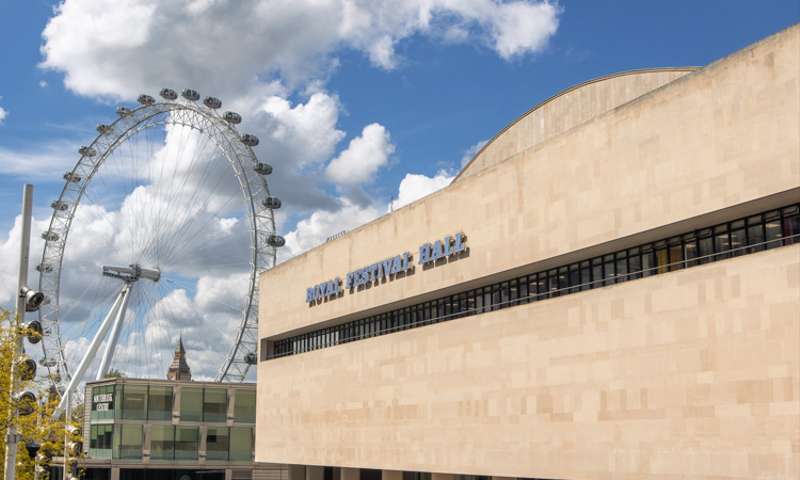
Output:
x,y
159,405
597,272
100,441
586,276
721,243
772,228
129,441
705,246
513,291
574,277
134,402
191,404
690,249
622,267
523,290
634,263
791,225
241,444
755,234
563,279
738,237
217,443
648,261
675,254
244,408
608,269
162,442
186,443
662,256
215,405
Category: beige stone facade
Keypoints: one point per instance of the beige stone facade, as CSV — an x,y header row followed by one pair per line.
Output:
x,y
690,374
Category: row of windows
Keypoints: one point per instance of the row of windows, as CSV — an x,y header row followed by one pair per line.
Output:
x,y
168,442
747,235
334,473
156,402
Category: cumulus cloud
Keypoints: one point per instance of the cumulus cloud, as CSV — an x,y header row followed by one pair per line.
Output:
x,y
321,225
118,49
415,186
305,131
366,153
522,27
3,114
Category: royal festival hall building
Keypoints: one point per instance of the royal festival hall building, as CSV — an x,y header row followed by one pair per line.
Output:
x,y
610,289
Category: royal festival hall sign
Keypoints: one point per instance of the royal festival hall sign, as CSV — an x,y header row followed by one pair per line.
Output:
x,y
431,253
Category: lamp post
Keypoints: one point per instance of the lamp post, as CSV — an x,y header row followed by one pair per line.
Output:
x,y
19,317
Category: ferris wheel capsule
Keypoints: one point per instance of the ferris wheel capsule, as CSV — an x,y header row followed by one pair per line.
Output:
x,y
249,140
102,129
59,205
250,358
124,111
263,168
273,203
50,236
72,177
145,99
190,95
276,241
168,94
212,102
44,268
232,118
87,151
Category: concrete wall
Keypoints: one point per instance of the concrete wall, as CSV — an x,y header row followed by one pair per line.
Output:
x,y
724,135
688,374
685,375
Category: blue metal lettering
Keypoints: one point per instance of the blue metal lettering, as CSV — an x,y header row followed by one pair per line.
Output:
x,y
406,262
458,245
424,253
438,250
387,267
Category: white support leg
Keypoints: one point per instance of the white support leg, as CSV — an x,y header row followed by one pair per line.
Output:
x,y
111,343
90,352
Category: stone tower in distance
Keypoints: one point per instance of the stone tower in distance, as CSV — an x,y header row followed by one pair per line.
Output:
x,y
179,369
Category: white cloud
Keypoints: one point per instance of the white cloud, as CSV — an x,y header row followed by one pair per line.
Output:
x,y
43,83
363,157
308,130
322,224
470,153
3,114
415,186
522,27
234,46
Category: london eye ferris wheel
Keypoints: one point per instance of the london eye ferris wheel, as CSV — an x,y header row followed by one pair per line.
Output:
x,y
161,227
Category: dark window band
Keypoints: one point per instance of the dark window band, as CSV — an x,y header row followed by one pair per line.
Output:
x,y
746,235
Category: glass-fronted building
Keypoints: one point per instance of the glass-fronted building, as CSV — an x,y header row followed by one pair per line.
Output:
x,y
137,429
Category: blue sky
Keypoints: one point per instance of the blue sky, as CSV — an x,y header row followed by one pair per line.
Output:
x,y
356,103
